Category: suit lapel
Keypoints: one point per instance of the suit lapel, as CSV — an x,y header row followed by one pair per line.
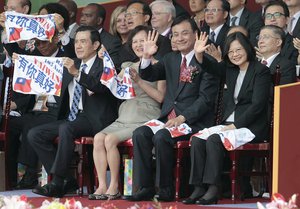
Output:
x,y
274,64
176,73
244,18
247,79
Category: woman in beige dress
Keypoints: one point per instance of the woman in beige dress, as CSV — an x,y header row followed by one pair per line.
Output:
x,y
132,114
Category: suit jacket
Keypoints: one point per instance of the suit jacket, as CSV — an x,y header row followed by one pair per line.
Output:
x,y
296,31
287,69
163,44
112,45
195,100
100,108
251,110
253,23
288,50
220,41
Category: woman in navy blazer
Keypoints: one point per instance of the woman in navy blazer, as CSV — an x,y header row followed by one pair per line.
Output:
x,y
245,105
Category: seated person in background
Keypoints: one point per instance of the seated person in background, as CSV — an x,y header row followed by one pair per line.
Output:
x,y
197,7
188,100
117,25
277,13
132,114
270,41
163,14
87,107
245,106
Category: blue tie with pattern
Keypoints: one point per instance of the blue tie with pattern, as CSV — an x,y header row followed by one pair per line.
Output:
x,y
76,98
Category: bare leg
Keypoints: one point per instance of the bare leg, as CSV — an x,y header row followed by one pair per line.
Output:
x,y
113,159
100,160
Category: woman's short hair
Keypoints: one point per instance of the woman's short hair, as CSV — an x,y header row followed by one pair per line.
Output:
x,y
244,41
136,30
113,19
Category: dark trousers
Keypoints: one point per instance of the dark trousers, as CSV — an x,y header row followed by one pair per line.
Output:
x,y
143,142
206,160
19,148
57,159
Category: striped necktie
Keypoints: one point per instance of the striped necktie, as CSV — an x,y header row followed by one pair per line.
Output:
x,y
76,98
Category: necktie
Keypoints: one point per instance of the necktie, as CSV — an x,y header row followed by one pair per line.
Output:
x,y
233,21
212,36
290,26
264,62
183,70
76,98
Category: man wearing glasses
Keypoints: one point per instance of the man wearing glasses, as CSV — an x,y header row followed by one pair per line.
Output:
x,y
216,15
239,15
139,13
277,13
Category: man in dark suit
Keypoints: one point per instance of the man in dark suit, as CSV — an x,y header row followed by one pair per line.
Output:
x,y
71,6
19,125
87,107
139,13
263,4
216,15
240,15
186,101
277,13
94,15
271,39
294,22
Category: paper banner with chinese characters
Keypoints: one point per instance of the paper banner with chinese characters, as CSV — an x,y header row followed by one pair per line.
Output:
x,y
120,87
181,130
24,27
38,75
231,139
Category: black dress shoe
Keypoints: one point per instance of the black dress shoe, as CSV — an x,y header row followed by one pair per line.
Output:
x,y
142,194
189,200
211,201
49,190
165,194
29,181
70,186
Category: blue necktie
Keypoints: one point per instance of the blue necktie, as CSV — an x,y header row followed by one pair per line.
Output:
x,y
76,98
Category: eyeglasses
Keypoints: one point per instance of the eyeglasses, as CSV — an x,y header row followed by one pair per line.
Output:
x,y
236,51
276,15
133,13
265,37
214,10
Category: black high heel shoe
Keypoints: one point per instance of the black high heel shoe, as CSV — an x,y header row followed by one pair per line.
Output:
x,y
211,201
190,200
197,193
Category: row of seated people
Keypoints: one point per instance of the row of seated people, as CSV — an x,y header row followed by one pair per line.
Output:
x,y
170,102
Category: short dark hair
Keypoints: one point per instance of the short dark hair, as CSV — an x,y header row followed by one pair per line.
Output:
x,y
101,10
280,4
59,9
244,41
276,30
94,33
136,30
27,3
146,8
181,19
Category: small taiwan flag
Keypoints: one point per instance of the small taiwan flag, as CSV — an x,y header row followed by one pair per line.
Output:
x,y
22,85
14,34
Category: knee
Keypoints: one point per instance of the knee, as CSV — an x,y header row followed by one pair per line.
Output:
x,y
162,137
195,141
98,141
110,142
33,136
143,131
214,140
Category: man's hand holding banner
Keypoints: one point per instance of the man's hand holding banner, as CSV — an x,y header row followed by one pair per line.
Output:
x,y
38,75
25,27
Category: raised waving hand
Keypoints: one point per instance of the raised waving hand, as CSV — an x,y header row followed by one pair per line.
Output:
x,y
200,45
150,47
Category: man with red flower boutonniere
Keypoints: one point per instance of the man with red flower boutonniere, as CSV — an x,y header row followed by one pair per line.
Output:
x,y
189,100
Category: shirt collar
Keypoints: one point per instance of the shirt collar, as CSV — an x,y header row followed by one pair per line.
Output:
x,y
188,57
89,64
271,59
238,14
216,31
